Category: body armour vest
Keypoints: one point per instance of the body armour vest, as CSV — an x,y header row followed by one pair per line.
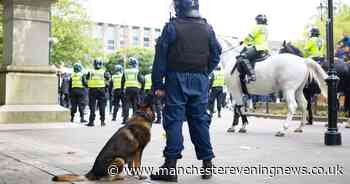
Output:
x,y
190,52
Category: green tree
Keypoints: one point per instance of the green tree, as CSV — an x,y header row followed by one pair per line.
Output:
x,y
70,28
341,22
1,35
144,55
341,25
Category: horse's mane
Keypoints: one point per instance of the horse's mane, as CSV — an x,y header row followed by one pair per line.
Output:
x,y
290,48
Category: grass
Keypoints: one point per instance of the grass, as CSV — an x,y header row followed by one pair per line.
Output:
x,y
281,109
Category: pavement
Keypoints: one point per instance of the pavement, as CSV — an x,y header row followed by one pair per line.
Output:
x,y
34,153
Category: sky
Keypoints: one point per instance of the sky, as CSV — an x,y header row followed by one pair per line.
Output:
x,y
286,18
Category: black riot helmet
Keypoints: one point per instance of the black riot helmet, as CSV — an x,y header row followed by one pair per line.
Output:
x,y
314,32
187,8
97,64
261,19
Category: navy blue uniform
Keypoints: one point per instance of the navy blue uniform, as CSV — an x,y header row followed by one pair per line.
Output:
x,y
186,94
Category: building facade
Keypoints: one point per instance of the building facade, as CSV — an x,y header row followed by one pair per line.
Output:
x,y
115,36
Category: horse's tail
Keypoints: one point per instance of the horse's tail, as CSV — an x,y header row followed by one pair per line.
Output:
x,y
318,74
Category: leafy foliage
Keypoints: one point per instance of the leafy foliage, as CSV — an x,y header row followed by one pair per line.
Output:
x,y
144,55
1,36
341,26
70,27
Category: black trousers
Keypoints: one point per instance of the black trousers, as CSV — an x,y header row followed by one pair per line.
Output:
x,y
215,94
97,96
157,105
132,96
117,98
78,101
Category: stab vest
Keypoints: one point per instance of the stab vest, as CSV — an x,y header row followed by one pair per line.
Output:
x,y
190,52
77,80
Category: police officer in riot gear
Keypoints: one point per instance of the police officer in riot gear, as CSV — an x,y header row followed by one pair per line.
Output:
x,y
116,89
217,83
97,92
77,87
256,45
186,53
157,104
314,45
132,82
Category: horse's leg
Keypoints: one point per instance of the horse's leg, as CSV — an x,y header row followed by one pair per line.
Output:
x,y
244,121
302,105
310,117
292,106
235,119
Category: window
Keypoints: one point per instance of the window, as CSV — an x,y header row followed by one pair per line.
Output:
x,y
157,33
110,45
123,35
136,33
146,42
110,36
135,41
99,31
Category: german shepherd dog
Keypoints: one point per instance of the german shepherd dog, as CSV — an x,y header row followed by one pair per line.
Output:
x,y
124,147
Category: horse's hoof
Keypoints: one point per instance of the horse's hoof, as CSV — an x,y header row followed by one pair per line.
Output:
x,y
298,130
309,123
231,130
280,134
242,130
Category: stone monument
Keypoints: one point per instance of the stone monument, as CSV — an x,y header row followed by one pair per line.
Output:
x,y
28,84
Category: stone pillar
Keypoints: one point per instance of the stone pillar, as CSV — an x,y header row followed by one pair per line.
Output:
x,y
28,84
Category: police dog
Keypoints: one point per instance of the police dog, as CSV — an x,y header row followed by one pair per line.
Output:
x,y
124,147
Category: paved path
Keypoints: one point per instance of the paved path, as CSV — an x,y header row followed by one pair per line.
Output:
x,y
34,153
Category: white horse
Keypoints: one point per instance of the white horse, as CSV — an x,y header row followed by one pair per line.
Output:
x,y
282,72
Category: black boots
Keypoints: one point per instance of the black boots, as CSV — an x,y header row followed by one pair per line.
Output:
x,y
90,124
82,120
208,169
250,70
167,172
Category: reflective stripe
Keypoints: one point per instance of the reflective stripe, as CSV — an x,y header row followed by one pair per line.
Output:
x,y
96,79
148,84
219,78
77,80
131,79
117,81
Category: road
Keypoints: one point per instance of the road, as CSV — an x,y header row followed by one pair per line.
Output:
x,y
33,153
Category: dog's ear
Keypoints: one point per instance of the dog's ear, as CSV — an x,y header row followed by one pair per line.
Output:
x,y
147,101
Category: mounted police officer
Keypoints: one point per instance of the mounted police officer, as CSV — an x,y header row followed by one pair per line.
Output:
x,y
186,53
116,89
256,46
217,83
132,82
314,45
77,87
97,92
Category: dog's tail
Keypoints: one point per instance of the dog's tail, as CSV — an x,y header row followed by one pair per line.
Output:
x,y
114,169
70,178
